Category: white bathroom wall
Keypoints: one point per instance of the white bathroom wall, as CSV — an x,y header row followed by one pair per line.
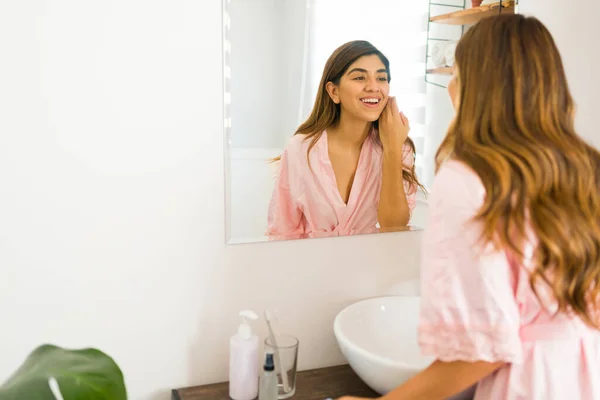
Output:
x,y
574,25
112,201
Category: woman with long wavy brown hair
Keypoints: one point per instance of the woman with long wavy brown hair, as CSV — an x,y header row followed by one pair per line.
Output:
x,y
511,254
350,165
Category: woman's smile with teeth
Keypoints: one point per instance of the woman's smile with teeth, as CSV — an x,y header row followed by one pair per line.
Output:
x,y
370,102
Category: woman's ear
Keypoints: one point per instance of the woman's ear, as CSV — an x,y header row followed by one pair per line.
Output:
x,y
332,91
453,89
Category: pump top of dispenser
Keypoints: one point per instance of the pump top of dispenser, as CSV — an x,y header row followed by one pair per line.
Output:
x,y
269,364
245,330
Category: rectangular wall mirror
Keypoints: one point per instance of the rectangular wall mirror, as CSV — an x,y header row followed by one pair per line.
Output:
x,y
275,54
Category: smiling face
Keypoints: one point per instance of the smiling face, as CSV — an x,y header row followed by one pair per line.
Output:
x,y
363,90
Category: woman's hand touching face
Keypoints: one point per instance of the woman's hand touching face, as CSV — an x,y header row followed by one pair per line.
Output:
x,y
393,127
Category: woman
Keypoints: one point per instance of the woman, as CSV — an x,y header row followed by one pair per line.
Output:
x,y
351,164
511,254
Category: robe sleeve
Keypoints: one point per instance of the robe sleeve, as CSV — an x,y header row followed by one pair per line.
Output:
x,y
285,219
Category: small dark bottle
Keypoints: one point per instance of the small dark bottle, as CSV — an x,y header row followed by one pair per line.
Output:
x,y
267,389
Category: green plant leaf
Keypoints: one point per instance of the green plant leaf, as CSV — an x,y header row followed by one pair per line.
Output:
x,y
81,374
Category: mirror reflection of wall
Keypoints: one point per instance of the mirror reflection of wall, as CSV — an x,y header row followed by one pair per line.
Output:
x,y
278,49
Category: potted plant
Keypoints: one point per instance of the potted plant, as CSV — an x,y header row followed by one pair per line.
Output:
x,y
54,373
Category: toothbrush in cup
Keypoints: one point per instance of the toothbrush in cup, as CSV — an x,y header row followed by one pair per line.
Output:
x,y
278,365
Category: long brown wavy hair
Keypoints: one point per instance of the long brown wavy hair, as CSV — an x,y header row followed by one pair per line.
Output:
x,y
325,113
514,126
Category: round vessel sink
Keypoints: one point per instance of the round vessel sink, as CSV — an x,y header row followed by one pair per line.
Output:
x,y
378,337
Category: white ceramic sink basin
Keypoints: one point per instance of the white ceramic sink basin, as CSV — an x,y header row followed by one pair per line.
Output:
x,y
378,337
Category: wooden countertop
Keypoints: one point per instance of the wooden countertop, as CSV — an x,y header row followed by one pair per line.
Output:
x,y
315,384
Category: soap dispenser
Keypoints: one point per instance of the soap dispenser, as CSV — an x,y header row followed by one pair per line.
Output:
x,y
243,360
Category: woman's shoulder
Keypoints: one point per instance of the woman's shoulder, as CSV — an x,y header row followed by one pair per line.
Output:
x,y
455,178
298,145
298,140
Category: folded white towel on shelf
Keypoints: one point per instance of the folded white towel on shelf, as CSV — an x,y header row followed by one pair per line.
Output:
x,y
442,54
449,51
438,54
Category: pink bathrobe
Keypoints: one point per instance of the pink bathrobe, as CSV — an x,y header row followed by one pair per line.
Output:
x,y
476,304
306,201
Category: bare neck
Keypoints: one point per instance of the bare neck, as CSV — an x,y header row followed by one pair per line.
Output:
x,y
350,134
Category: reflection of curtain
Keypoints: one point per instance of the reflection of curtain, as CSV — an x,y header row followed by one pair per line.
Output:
x,y
307,89
396,27
294,51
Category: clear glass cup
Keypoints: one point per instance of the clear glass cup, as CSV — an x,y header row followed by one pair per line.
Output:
x,y
285,355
